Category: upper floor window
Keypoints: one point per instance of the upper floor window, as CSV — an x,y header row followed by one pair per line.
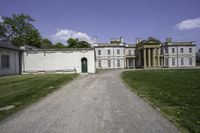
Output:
x,y
108,51
99,52
129,52
5,61
173,50
118,51
182,61
181,50
190,50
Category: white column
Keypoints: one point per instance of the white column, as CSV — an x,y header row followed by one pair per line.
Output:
x,y
144,54
154,56
149,57
158,58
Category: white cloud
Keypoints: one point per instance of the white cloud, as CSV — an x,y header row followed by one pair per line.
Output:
x,y
63,35
189,24
1,20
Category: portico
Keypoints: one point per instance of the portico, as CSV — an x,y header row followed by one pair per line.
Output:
x,y
149,53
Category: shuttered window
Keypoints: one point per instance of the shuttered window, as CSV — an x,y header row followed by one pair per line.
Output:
x,y
173,61
182,61
118,63
109,63
99,63
5,61
190,61
108,51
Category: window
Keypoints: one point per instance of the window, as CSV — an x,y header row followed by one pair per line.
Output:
x,y
190,61
182,61
5,61
181,50
108,51
166,62
190,50
99,63
166,51
173,61
118,51
129,52
109,63
99,52
118,63
173,50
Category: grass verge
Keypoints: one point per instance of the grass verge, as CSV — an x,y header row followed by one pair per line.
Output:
x,y
175,92
22,90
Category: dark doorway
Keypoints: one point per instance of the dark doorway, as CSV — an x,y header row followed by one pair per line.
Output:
x,y
84,65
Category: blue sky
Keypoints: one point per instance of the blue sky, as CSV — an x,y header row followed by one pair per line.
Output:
x,y
60,19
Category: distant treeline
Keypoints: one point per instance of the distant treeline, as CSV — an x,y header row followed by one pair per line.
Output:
x,y
19,30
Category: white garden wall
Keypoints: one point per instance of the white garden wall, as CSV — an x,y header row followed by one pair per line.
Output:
x,y
58,60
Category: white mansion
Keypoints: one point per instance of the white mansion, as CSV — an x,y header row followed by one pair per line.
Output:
x,y
150,53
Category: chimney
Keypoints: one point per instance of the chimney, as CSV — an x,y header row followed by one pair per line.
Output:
x,y
169,40
94,39
122,39
138,40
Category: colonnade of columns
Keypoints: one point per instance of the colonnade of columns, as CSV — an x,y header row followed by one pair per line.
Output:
x,y
149,57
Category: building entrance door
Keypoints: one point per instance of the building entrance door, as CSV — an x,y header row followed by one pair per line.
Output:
x,y
84,65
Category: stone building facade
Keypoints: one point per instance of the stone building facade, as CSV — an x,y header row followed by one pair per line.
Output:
x,y
150,53
147,54
114,55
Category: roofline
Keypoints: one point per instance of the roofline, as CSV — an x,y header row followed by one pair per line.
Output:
x,y
17,49
63,49
166,44
130,46
108,46
179,45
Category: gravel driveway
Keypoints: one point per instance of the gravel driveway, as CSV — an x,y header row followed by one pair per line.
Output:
x,y
94,103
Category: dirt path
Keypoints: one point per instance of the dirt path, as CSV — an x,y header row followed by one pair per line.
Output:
x,y
96,103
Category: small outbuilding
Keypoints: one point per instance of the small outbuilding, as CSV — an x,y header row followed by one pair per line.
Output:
x,y
10,59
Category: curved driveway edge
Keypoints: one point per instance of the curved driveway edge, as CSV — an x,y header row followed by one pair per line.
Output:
x,y
96,103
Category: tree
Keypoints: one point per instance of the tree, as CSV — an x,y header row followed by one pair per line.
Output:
x,y
75,43
72,43
19,30
46,43
59,45
83,44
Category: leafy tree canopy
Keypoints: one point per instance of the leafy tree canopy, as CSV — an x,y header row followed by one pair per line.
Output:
x,y
19,30
72,43
83,44
75,43
59,45
46,43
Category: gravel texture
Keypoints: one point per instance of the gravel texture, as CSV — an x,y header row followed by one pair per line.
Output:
x,y
93,103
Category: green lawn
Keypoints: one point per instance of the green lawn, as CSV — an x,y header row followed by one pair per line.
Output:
x,y
175,92
22,90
